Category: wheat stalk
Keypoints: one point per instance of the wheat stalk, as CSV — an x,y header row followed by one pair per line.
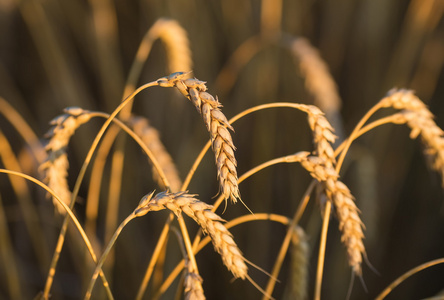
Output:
x,y
56,166
209,221
218,127
420,120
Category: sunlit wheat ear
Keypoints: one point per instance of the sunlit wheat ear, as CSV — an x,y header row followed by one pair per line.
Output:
x,y
193,284
151,138
56,166
218,127
421,122
297,286
176,42
323,135
209,221
350,223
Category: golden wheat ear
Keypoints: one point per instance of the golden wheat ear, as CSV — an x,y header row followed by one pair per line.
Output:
x,y
209,221
420,120
151,137
216,124
56,166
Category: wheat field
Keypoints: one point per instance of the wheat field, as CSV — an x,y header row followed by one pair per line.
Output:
x,y
221,149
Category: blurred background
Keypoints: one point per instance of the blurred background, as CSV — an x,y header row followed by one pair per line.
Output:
x,y
55,54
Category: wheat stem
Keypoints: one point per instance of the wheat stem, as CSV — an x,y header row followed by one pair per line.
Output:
x,y
406,275
23,129
24,198
69,215
95,183
354,135
157,250
321,256
393,119
105,254
187,241
286,242
8,257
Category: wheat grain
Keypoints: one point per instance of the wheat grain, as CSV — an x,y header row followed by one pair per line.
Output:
x,y
420,120
150,136
218,127
209,221
56,166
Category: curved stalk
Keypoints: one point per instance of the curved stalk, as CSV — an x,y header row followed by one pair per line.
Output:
x,y
70,215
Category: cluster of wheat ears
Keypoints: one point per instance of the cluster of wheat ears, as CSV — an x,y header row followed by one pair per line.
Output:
x,y
323,163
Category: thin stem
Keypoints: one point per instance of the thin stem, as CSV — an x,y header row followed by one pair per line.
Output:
x,y
321,256
24,199
8,257
70,215
406,275
95,183
354,135
187,241
160,243
286,243
102,259
139,141
23,128
61,239
386,120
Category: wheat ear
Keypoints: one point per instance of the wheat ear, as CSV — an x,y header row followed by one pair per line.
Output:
x,y
318,79
56,166
193,284
322,167
176,42
218,127
350,223
298,284
420,120
209,221
150,136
